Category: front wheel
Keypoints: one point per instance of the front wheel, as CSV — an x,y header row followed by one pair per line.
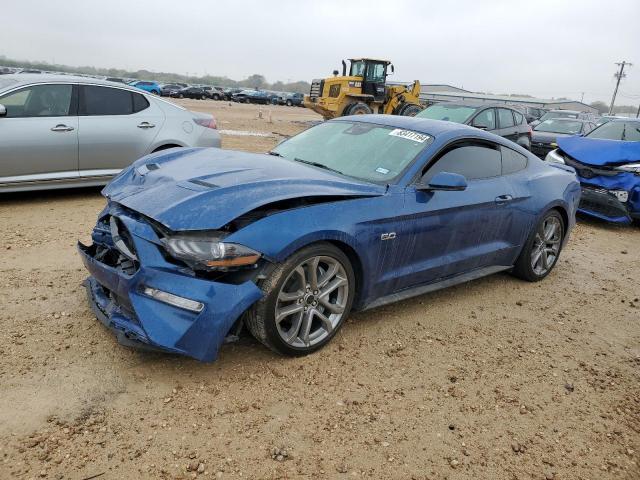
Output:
x,y
306,300
289,103
542,249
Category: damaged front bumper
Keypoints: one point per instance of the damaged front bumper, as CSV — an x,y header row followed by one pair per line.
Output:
x,y
612,198
119,294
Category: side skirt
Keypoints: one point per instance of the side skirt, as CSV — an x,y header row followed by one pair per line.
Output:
x,y
438,285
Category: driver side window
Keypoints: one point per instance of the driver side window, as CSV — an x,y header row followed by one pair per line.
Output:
x,y
375,72
486,119
38,101
472,161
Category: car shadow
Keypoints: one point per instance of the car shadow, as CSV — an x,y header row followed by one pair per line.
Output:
x,y
40,196
600,223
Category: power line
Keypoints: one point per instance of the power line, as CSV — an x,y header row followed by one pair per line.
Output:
x,y
619,76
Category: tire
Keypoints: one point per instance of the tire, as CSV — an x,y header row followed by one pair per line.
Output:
x,y
358,108
289,103
529,265
216,97
246,100
203,97
305,305
409,110
181,96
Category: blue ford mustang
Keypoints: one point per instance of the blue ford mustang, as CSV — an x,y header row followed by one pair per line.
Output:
x,y
353,213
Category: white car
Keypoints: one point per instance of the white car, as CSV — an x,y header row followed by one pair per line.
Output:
x,y
58,131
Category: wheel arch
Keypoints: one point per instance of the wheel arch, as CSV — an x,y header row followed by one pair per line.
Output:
x,y
166,146
345,244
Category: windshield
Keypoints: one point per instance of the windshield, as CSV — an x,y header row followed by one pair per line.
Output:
x,y
556,125
451,113
549,115
614,130
373,153
357,69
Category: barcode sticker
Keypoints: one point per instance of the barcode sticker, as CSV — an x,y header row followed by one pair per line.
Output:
x,y
410,135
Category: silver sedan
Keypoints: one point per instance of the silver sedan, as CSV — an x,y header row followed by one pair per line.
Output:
x,y
58,131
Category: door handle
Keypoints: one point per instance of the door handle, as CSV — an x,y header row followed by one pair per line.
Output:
x,y
61,127
503,199
146,125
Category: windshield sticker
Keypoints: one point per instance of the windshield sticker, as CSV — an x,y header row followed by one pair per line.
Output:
x,y
381,170
409,135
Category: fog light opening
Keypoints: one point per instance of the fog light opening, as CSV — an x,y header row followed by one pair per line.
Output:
x,y
174,300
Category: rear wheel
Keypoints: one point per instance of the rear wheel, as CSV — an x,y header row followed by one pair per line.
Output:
x,y
358,108
306,300
542,249
289,103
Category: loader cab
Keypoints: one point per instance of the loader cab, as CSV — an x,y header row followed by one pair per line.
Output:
x,y
374,76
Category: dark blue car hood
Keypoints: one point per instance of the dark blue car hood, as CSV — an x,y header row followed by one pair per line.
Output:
x,y
599,152
204,189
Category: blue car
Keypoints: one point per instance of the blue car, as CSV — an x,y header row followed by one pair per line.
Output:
x,y
151,87
351,214
607,162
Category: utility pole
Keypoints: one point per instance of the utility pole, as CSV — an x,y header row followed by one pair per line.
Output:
x,y
638,112
619,76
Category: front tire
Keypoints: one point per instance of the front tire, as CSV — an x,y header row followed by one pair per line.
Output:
x,y
409,109
306,300
289,103
542,248
358,108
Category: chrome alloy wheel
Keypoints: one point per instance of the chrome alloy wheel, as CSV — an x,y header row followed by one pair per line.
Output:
x,y
312,301
546,246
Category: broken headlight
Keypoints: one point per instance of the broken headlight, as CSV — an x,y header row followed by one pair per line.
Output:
x,y
209,252
630,167
554,156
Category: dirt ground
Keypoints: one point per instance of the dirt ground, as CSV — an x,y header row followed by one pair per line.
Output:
x,y
496,379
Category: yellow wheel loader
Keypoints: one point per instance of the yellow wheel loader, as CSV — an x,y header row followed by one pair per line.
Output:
x,y
364,90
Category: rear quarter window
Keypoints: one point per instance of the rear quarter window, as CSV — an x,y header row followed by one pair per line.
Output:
x,y
512,161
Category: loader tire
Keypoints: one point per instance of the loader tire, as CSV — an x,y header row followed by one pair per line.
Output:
x,y
408,109
358,108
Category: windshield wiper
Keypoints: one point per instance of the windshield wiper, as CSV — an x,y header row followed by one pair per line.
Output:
x,y
275,154
317,164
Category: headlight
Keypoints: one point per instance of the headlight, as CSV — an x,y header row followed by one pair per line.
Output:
x,y
554,156
631,167
209,253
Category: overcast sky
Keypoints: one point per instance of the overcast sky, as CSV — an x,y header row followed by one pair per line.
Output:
x,y
540,47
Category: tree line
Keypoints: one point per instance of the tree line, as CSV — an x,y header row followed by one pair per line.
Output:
x,y
254,81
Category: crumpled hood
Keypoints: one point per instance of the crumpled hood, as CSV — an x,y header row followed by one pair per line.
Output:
x,y
204,189
599,152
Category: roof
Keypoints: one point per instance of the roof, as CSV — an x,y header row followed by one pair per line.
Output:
x,y
478,104
31,78
502,98
367,58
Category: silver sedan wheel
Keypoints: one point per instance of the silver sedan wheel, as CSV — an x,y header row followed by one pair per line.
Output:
x,y
546,246
312,301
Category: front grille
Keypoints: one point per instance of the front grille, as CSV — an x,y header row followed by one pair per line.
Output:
x,y
316,88
113,245
589,171
600,201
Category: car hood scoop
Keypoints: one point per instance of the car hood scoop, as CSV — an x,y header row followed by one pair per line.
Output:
x,y
204,189
599,152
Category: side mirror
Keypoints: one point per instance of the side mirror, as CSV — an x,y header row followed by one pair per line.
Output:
x,y
482,127
446,181
3,111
